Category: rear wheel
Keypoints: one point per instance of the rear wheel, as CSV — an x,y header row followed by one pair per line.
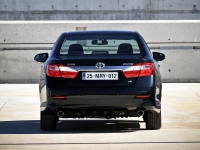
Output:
x,y
48,120
153,120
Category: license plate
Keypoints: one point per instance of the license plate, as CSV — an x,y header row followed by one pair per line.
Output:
x,y
100,76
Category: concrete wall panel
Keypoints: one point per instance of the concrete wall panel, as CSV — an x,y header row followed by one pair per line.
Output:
x,y
89,5
48,31
21,41
18,66
180,65
99,9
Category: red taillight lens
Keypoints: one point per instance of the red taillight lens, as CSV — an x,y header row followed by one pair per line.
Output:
x,y
147,69
132,71
67,72
55,70
139,70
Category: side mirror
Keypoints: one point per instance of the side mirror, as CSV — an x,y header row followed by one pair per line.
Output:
x,y
158,56
41,57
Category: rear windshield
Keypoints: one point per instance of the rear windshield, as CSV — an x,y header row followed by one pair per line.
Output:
x,y
99,45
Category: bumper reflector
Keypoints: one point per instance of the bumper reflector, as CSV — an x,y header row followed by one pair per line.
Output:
x,y
142,96
58,97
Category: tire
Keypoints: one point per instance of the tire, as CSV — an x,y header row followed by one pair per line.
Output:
x,y
153,120
48,121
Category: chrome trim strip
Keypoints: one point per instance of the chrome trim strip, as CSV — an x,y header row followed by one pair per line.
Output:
x,y
93,68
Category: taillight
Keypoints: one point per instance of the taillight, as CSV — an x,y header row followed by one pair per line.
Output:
x,y
53,71
57,70
139,70
67,72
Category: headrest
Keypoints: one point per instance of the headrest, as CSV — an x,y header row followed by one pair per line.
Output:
x,y
125,48
75,49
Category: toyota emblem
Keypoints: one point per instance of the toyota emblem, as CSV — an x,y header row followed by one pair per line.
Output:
x,y
100,65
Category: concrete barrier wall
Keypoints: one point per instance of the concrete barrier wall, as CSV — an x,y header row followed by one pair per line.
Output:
x,y
99,9
178,40
44,32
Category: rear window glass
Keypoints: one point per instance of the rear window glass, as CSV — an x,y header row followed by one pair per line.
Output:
x,y
99,45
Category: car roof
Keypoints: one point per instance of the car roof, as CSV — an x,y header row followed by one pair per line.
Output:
x,y
93,32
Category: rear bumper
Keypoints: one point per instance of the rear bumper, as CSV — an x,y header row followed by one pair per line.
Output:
x,y
100,102
95,111
101,98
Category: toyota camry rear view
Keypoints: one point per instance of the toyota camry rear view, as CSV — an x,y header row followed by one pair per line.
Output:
x,y
94,74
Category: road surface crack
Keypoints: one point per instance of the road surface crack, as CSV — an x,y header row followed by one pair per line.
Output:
x,y
3,105
194,91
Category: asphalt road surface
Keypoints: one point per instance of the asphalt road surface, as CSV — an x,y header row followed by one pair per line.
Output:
x,y
20,128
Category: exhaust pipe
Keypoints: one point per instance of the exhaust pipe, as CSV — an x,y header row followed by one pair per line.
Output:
x,y
60,113
140,113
